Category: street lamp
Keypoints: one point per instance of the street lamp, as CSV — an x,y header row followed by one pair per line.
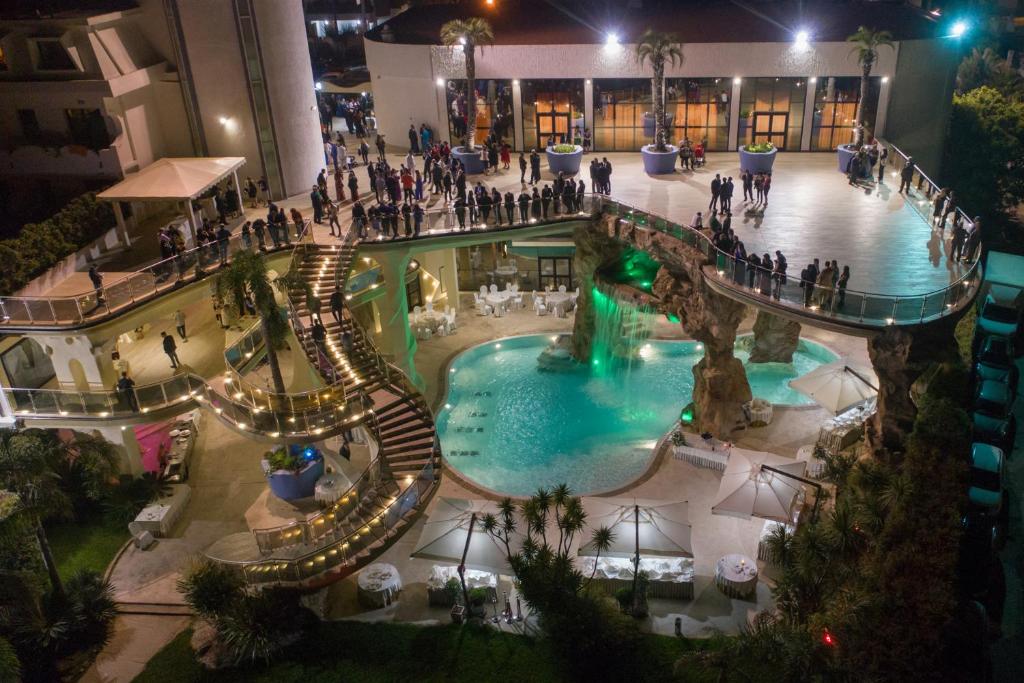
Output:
x,y
803,39
959,29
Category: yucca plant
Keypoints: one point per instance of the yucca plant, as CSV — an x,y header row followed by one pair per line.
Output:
x,y
468,33
866,43
659,49
602,540
210,588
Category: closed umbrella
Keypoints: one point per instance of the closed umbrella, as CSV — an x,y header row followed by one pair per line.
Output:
x,y
757,484
838,385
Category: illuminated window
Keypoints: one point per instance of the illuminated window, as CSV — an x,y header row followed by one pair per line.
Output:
x,y
619,108
835,110
699,110
493,109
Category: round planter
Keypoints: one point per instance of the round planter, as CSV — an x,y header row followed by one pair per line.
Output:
x,y
757,162
565,162
288,485
471,161
649,124
846,152
659,163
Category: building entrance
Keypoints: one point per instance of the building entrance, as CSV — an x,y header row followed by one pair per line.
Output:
x,y
771,127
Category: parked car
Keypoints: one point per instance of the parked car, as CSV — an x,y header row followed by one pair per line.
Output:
x,y
986,478
999,313
993,418
995,361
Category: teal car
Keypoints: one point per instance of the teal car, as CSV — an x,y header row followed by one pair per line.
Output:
x,y
995,361
998,314
986,478
993,414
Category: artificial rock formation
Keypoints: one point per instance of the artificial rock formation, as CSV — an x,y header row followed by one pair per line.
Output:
x,y
900,356
775,339
594,249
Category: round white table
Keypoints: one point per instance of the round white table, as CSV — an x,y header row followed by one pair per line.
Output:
x,y
736,576
330,488
559,303
378,585
499,299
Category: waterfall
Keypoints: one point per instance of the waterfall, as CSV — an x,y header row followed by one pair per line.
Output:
x,y
620,327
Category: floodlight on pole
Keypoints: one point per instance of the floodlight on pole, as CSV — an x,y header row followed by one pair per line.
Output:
x,y
611,39
959,29
802,40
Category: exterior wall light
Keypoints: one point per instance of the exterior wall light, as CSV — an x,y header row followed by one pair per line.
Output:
x,y
737,80
611,39
803,38
440,82
885,79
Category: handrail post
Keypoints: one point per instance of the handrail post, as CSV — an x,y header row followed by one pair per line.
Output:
x,y
53,313
863,306
895,304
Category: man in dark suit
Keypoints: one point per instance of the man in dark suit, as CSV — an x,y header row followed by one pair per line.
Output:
x,y
716,190
907,175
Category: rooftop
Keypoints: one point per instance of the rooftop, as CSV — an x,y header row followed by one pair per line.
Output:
x,y
561,22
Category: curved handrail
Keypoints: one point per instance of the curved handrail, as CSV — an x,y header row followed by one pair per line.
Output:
x,y
141,285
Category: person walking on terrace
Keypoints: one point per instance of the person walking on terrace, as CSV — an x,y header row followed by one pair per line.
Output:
x,y
179,323
907,176
126,388
223,241
747,179
97,282
171,349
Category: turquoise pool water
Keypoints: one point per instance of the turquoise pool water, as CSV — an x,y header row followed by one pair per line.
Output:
x,y
512,427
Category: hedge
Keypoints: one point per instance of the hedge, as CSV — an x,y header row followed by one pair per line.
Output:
x,y
42,245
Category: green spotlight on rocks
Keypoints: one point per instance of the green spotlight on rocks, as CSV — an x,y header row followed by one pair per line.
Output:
x,y
672,318
686,415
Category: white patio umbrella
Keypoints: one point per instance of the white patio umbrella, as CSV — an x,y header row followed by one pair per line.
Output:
x,y
748,489
447,532
645,527
838,385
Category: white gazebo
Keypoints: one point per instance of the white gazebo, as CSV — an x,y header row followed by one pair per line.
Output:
x,y
172,180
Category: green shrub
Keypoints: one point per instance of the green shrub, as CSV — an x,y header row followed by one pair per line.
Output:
x,y
256,627
564,149
41,245
759,147
210,588
477,597
282,459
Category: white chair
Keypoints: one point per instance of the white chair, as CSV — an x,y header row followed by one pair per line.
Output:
x,y
513,287
517,301
561,289
482,308
449,317
538,305
499,311
416,313
483,290
494,289
430,307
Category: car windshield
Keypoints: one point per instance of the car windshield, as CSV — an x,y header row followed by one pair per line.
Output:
x,y
1000,313
984,479
995,353
991,408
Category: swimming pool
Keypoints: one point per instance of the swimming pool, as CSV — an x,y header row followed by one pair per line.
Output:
x,y
511,427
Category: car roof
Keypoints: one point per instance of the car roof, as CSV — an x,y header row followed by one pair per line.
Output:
x,y
994,390
986,457
996,343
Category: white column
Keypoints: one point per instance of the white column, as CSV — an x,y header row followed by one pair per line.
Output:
x,y
122,229
78,364
734,113
517,113
7,417
883,106
238,191
127,447
192,227
588,107
805,136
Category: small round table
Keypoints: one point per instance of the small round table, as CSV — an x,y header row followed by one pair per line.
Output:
x,y
736,576
378,585
329,488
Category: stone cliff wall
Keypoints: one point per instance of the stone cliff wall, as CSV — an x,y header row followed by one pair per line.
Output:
x,y
594,249
775,339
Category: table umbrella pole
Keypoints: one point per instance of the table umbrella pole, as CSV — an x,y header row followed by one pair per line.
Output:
x,y
462,565
636,556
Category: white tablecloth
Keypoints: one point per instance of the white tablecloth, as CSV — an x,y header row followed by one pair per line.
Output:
x,y
506,271
736,576
378,584
437,594
668,577
159,518
703,457
330,487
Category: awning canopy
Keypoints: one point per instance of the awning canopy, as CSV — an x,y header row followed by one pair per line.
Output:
x,y
173,179
838,385
750,490
662,527
444,537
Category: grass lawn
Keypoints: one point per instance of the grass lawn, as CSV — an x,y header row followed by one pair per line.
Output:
x,y
359,652
89,544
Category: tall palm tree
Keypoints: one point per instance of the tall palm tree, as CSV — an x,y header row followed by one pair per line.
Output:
x,y
602,540
468,33
866,42
245,275
659,49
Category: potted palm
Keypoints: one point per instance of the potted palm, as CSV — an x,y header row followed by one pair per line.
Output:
x,y
292,471
468,33
564,159
866,42
659,49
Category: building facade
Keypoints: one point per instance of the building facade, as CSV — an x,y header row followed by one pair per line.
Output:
x,y
780,73
97,91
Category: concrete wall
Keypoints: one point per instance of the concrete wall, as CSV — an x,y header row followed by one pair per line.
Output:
x,y
405,90
922,99
289,79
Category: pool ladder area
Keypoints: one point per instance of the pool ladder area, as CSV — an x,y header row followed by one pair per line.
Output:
x,y
471,428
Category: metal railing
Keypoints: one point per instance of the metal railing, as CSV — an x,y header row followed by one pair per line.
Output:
x,y
143,284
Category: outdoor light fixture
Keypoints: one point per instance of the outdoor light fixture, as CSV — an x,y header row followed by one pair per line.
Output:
x,y
318,85
737,80
885,79
813,79
440,82
959,28
462,40
803,38
611,39
515,81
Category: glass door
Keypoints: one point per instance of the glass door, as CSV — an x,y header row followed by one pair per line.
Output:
x,y
771,127
553,116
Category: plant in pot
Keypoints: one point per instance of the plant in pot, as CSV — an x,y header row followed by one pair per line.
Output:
x,y
564,159
866,42
467,34
453,589
292,471
659,49
757,157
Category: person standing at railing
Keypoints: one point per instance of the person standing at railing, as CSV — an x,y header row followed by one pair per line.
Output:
x,y
843,281
949,208
739,263
907,175
258,227
807,278
779,274
407,218
297,220
418,187
973,240
496,204
126,389
460,212
247,235
581,190
417,218
569,196
938,204
97,283
171,349
223,238
524,207
535,201
753,264
359,219
282,225
510,207
522,168
534,167
545,200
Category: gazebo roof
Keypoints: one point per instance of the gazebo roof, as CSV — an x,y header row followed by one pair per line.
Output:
x,y
172,179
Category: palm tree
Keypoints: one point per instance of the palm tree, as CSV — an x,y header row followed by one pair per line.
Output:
x,y
866,43
659,49
602,540
979,68
469,33
245,275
